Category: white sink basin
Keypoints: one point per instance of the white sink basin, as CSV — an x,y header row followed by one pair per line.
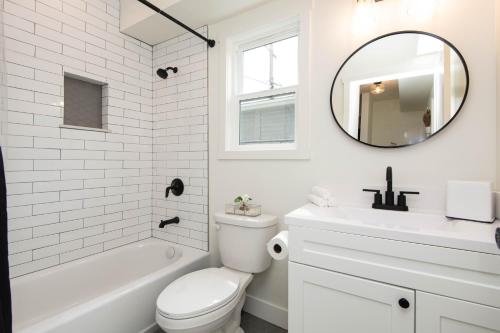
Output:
x,y
421,228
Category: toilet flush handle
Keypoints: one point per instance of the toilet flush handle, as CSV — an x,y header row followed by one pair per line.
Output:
x,y
217,226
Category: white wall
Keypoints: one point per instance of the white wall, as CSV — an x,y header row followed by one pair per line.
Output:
x,y
3,88
497,38
391,125
180,139
73,193
464,150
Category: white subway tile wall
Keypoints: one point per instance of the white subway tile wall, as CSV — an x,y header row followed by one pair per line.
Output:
x,y
180,139
74,193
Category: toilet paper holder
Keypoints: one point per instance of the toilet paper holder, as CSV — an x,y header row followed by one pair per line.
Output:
x,y
277,247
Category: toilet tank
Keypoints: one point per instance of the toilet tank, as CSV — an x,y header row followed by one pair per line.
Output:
x,y
243,239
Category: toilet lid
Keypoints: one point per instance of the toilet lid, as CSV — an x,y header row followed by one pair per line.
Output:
x,y
198,293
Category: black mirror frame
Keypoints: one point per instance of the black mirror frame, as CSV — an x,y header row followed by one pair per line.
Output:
x,y
400,33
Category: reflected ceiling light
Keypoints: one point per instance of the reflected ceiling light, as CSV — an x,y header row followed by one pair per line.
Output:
x,y
377,88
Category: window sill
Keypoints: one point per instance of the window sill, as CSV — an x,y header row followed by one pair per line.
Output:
x,y
276,154
82,128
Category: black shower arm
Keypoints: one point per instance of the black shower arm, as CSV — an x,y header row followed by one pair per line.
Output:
x,y
210,42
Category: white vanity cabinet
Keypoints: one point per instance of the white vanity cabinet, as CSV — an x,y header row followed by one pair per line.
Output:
x,y
322,301
438,314
357,276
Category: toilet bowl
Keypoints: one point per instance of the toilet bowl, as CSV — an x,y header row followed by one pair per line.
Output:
x,y
205,301
210,300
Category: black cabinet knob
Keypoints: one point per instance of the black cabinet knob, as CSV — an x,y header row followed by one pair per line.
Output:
x,y
497,237
403,302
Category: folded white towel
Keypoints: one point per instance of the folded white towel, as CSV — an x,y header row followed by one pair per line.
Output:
x,y
321,192
331,202
320,202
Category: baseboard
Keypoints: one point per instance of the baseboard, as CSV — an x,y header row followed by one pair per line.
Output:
x,y
270,312
153,328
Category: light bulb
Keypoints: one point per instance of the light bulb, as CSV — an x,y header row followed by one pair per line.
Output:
x,y
364,16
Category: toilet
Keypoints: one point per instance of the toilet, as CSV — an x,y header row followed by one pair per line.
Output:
x,y
210,300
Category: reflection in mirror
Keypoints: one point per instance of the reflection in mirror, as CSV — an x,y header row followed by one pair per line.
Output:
x,y
399,89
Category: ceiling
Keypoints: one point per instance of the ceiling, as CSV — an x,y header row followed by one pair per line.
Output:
x,y
413,93
141,22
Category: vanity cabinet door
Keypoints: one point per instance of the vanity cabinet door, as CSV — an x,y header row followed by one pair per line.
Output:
x,y
322,301
439,314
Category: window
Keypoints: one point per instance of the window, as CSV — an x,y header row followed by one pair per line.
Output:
x,y
266,90
259,83
268,119
83,103
272,66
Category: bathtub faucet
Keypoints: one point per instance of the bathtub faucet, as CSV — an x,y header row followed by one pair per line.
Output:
x,y
175,220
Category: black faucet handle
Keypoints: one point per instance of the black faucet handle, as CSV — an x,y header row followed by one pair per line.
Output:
x,y
377,198
408,192
402,198
177,188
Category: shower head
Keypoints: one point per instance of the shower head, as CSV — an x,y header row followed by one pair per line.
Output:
x,y
163,73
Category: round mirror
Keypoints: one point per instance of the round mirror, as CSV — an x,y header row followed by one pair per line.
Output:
x,y
399,89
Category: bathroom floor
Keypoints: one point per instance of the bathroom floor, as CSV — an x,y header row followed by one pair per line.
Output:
x,y
252,324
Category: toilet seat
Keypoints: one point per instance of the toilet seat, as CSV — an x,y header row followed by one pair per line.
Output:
x,y
198,293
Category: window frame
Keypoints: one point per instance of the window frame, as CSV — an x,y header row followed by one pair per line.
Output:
x,y
276,34
228,112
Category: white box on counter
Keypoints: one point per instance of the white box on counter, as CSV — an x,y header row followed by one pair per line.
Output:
x,y
470,200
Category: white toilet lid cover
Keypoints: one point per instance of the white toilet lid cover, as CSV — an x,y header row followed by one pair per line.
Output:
x,y
198,293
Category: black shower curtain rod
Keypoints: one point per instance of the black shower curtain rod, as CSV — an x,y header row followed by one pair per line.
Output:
x,y
210,42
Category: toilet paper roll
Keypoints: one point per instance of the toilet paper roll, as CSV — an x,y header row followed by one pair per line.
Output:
x,y
278,246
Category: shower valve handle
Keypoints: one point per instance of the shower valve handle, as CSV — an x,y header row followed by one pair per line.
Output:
x,y
176,187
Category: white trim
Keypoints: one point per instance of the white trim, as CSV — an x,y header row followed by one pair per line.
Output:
x,y
153,328
267,311
352,90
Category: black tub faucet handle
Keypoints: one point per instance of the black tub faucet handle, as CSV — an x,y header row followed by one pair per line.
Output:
x,y
176,187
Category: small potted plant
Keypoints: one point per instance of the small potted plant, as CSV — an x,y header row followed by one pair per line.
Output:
x,y
243,201
242,206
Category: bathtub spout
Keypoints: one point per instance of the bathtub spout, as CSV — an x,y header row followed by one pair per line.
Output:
x,y
175,220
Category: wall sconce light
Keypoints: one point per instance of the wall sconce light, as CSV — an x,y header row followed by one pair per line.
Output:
x,y
377,88
364,16
421,9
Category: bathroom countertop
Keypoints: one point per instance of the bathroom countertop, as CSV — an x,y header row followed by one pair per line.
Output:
x,y
431,229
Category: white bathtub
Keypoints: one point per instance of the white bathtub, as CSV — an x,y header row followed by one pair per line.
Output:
x,y
114,291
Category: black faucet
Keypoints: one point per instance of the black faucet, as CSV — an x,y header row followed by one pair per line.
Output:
x,y
175,220
389,196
